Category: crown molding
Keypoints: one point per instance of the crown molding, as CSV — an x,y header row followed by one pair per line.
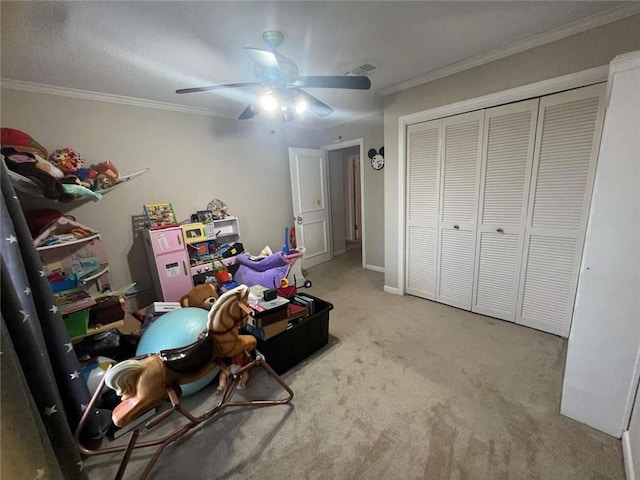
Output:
x,y
140,102
107,98
572,28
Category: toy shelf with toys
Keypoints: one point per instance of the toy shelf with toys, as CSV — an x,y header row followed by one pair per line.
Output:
x,y
30,187
62,175
75,263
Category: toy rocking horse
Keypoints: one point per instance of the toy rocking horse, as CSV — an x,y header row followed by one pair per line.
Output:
x,y
145,382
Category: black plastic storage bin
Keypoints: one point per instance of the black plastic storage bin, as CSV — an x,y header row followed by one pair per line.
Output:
x,y
298,342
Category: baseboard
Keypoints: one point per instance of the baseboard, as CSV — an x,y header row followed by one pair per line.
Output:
x,y
393,290
375,268
627,454
339,252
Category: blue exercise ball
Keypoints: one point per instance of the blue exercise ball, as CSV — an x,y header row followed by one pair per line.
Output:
x,y
174,329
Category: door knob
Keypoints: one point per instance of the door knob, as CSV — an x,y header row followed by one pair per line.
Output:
x,y
456,226
499,230
299,220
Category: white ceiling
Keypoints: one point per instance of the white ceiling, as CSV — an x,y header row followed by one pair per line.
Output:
x,y
147,50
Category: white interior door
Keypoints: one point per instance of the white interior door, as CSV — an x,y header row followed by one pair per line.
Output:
x,y
461,147
507,154
567,139
310,192
423,193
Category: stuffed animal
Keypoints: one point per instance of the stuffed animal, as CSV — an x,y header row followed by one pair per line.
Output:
x,y
80,191
107,174
48,167
67,160
29,166
21,142
203,296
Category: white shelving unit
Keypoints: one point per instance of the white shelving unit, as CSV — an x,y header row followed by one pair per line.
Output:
x,y
226,230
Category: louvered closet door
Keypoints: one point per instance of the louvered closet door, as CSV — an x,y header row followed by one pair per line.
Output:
x,y
460,171
507,154
423,165
567,138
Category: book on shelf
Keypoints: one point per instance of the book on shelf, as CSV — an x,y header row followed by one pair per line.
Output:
x,y
69,301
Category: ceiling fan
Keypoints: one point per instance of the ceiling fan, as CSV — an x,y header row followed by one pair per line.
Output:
x,y
283,86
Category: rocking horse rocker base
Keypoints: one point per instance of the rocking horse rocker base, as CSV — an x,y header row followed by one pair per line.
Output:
x,y
145,383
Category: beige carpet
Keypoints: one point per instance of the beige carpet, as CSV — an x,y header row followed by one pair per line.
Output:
x,y
406,389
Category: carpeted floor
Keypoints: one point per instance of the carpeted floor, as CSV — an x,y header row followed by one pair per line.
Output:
x,y
405,389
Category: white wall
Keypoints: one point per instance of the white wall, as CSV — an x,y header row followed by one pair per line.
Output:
x,y
582,51
371,130
193,159
599,380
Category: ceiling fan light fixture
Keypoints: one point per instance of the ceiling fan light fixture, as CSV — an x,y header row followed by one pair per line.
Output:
x,y
301,106
269,102
287,115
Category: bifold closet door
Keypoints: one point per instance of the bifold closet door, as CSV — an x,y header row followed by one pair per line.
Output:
x,y
507,154
423,190
460,172
567,138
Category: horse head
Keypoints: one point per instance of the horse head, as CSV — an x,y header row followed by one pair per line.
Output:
x,y
225,317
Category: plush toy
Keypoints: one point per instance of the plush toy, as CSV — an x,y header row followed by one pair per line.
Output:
x,y
203,296
88,177
80,191
26,164
48,167
21,142
107,174
67,160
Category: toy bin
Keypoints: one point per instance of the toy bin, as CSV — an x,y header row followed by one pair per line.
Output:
x,y
298,342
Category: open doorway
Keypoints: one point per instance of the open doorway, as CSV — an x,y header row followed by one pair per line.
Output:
x,y
344,161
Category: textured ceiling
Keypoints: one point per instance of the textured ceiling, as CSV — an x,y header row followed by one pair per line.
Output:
x,y
147,50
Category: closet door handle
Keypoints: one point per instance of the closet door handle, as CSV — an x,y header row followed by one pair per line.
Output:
x,y
456,226
499,230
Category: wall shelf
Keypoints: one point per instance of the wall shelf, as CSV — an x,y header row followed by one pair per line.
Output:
x,y
29,187
78,241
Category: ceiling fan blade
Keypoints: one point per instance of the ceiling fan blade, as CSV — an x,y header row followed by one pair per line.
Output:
x,y
216,87
248,113
338,81
262,58
316,106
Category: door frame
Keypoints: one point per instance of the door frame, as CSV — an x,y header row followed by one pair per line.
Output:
x,y
537,89
357,142
355,197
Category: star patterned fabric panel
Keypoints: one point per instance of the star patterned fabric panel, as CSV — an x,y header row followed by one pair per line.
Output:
x,y
40,340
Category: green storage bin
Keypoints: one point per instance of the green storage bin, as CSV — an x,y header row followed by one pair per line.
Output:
x,y
77,323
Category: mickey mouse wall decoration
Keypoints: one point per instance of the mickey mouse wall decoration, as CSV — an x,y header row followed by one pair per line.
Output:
x,y
377,158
